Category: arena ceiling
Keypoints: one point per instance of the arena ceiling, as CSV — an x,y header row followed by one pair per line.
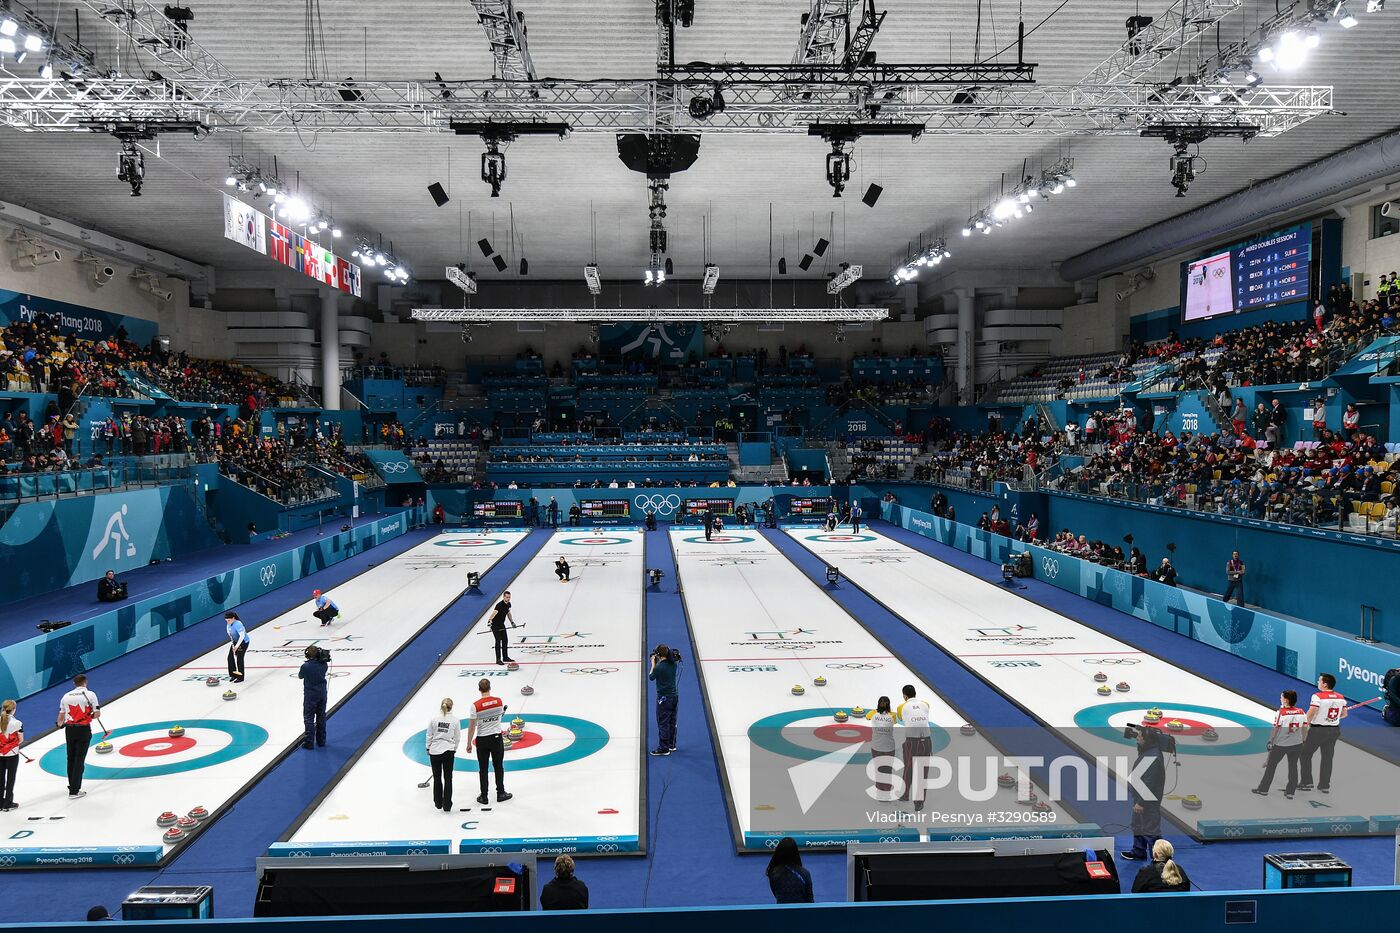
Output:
x,y
567,194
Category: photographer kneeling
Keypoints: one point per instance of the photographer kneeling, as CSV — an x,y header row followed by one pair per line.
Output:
x,y
110,589
313,695
665,666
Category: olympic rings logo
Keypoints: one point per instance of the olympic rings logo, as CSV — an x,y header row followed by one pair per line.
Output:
x,y
268,574
788,646
1126,662
771,843
416,852
855,666
8,860
123,859
661,505
607,847
548,649
394,466
588,670
1051,566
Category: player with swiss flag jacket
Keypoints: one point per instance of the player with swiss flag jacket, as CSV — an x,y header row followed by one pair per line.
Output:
x,y
11,736
1324,726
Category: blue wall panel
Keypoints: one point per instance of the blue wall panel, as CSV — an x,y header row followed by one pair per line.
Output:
x,y
40,662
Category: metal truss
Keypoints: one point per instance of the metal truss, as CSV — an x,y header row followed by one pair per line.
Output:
x,y
505,31
1168,34
647,315
823,32
178,53
805,78
636,106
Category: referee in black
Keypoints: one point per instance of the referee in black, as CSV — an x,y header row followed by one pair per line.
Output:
x,y
500,615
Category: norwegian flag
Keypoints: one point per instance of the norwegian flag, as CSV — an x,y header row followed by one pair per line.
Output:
x,y
279,243
349,277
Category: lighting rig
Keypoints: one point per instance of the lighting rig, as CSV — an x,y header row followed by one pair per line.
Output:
x,y
1023,198
1185,139
932,255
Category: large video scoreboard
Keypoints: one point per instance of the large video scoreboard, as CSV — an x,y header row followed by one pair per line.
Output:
x,y
696,508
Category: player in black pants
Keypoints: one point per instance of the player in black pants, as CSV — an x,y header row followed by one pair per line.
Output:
x,y
561,570
485,731
499,616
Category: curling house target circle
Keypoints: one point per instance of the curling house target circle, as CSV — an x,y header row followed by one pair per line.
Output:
x,y
768,734
1251,733
719,539
593,541
206,743
471,542
841,539
586,738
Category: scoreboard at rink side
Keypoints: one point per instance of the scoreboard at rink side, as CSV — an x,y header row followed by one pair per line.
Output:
x,y
605,511
499,512
819,505
696,508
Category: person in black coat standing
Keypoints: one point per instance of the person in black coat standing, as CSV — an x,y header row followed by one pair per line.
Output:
x,y
564,891
314,694
1147,809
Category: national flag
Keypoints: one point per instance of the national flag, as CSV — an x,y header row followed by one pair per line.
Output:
x,y
279,243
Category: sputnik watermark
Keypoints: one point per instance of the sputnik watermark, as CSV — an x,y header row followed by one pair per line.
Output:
x,y
934,773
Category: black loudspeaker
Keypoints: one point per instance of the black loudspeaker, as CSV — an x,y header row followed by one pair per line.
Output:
x,y
820,248
499,262
805,263
524,266
658,155
782,266
872,194
348,890
484,245
439,194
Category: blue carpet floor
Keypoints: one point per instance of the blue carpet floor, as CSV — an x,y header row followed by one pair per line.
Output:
x,y
75,603
223,854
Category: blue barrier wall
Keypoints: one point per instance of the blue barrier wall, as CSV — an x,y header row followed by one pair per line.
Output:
x,y
1289,647
40,662
1360,908
49,545
1307,572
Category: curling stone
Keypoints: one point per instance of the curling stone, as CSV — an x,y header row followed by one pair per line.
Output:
x,y
967,728
230,694
212,681
858,711
104,748
1006,779
842,715
198,814
1210,735
505,741
1123,686
819,681
176,731
1040,806
512,666
1176,725
1100,677
517,723
186,823
1191,802
167,818
527,690
173,835
1152,715
1105,690
798,690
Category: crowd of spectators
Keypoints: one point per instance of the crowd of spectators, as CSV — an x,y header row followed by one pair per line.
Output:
x,y
36,357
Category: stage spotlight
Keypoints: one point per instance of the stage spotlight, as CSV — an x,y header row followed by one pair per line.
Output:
x,y
131,167
838,167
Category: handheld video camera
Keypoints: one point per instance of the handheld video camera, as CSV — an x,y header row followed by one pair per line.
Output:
x,y
317,653
1165,740
673,653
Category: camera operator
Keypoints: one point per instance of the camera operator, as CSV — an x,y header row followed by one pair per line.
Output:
x,y
665,666
313,695
110,589
1147,813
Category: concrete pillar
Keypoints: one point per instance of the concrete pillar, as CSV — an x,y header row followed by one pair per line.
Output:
x,y
330,349
967,338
